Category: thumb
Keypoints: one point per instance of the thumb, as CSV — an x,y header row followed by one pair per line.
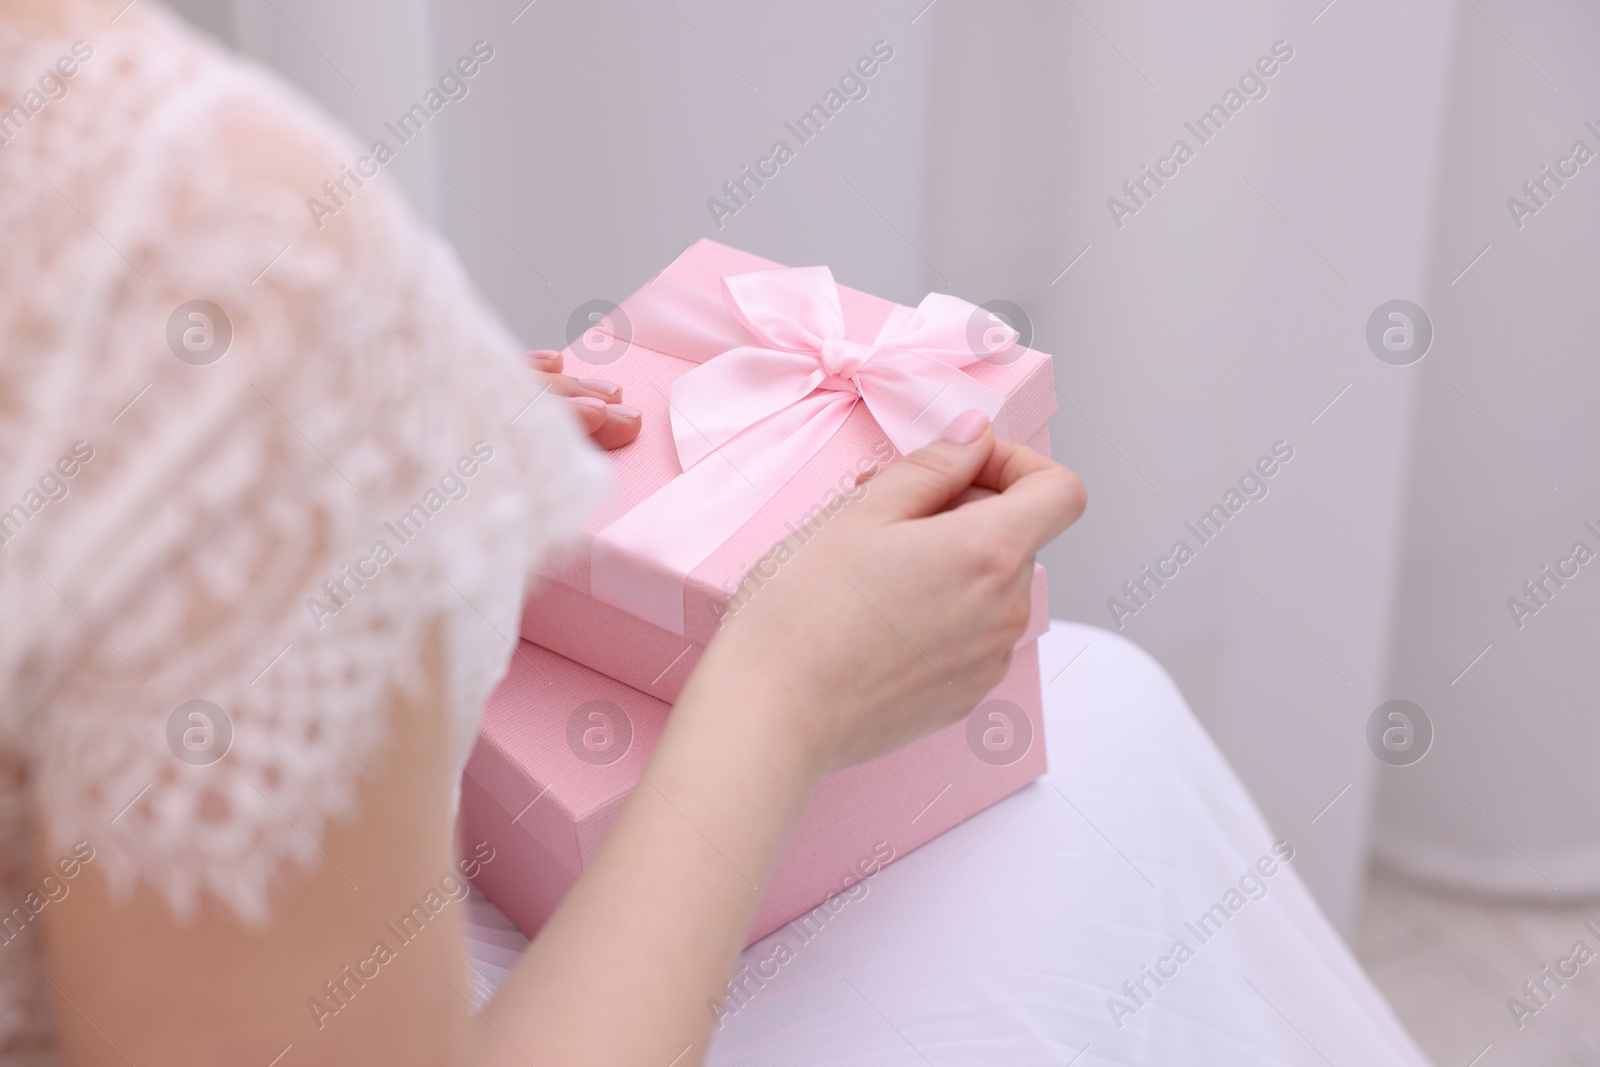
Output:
x,y
927,480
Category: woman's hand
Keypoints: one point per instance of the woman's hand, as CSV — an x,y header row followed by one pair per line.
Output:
x,y
901,613
894,620
609,423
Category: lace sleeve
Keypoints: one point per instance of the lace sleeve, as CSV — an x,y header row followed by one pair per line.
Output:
x,y
314,446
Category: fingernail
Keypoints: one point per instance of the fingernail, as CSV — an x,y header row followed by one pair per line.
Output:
x,y
545,355
588,402
626,411
966,428
598,385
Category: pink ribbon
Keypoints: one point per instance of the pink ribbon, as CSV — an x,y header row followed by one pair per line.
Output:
x,y
777,379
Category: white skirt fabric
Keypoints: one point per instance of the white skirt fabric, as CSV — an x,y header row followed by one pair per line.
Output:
x,y
1129,908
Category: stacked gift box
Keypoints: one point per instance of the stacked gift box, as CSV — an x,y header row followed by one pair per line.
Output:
x,y
721,475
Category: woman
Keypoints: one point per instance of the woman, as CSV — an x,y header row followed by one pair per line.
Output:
x,y
211,501
234,726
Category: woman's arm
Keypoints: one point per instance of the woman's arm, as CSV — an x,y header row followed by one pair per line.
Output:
x,y
631,966
130,982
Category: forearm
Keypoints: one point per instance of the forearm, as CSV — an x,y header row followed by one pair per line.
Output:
x,y
629,967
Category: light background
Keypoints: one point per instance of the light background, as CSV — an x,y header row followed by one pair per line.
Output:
x,y
1225,316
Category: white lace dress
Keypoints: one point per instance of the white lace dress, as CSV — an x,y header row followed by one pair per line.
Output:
x,y
243,461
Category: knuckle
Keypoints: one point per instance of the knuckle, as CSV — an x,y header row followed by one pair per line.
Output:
x,y
1015,622
1013,552
996,559
927,464
999,667
1074,498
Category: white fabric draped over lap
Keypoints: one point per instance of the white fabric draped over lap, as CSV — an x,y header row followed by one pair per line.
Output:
x,y
1006,939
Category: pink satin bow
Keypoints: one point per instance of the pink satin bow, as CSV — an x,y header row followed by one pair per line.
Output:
x,y
751,416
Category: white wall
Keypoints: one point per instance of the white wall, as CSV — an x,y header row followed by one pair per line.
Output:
x,y
364,60
604,127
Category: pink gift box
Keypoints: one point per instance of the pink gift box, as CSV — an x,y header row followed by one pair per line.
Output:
x,y
567,734
563,613
543,787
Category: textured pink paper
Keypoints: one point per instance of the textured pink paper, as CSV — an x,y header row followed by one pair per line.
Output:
x,y
648,658
656,661
639,469
546,811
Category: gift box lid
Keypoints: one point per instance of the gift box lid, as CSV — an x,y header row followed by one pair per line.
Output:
x,y
1020,375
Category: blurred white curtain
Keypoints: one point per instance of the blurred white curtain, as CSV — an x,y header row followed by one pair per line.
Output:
x,y
1506,481
1223,317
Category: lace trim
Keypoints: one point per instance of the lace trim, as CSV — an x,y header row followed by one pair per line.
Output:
x,y
228,498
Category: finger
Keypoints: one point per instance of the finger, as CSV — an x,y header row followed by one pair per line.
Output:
x,y
610,392
1009,461
927,480
1036,499
968,495
870,473
545,359
621,426
599,388
591,413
